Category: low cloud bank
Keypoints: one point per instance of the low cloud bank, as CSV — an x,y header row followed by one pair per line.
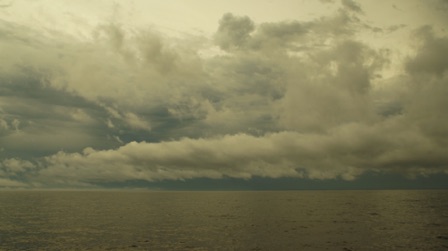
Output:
x,y
345,153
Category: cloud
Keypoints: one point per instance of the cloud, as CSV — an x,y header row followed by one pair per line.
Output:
x,y
7,183
238,156
135,122
275,99
346,152
233,31
335,89
12,170
431,57
39,119
66,91
3,125
15,166
351,5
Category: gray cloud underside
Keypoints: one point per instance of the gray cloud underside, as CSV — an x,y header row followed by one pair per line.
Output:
x,y
286,99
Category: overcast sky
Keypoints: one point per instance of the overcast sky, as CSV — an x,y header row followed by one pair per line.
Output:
x,y
94,93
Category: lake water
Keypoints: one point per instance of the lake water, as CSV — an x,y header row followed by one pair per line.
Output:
x,y
295,220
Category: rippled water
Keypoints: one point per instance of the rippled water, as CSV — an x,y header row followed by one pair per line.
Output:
x,y
297,220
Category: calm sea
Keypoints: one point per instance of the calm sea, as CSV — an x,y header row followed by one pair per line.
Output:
x,y
296,220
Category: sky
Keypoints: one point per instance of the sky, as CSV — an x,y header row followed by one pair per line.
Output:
x,y
201,94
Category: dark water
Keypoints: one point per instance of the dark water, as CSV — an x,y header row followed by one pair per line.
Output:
x,y
299,220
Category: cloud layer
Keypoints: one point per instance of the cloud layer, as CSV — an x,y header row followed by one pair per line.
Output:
x,y
306,99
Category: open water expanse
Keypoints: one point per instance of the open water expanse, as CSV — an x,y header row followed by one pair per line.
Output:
x,y
296,220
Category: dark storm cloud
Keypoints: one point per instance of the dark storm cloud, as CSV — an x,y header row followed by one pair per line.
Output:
x,y
42,119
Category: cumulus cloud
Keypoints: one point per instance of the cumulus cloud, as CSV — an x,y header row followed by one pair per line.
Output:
x,y
16,165
12,170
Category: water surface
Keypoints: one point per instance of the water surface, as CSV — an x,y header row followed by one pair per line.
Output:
x,y
296,220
